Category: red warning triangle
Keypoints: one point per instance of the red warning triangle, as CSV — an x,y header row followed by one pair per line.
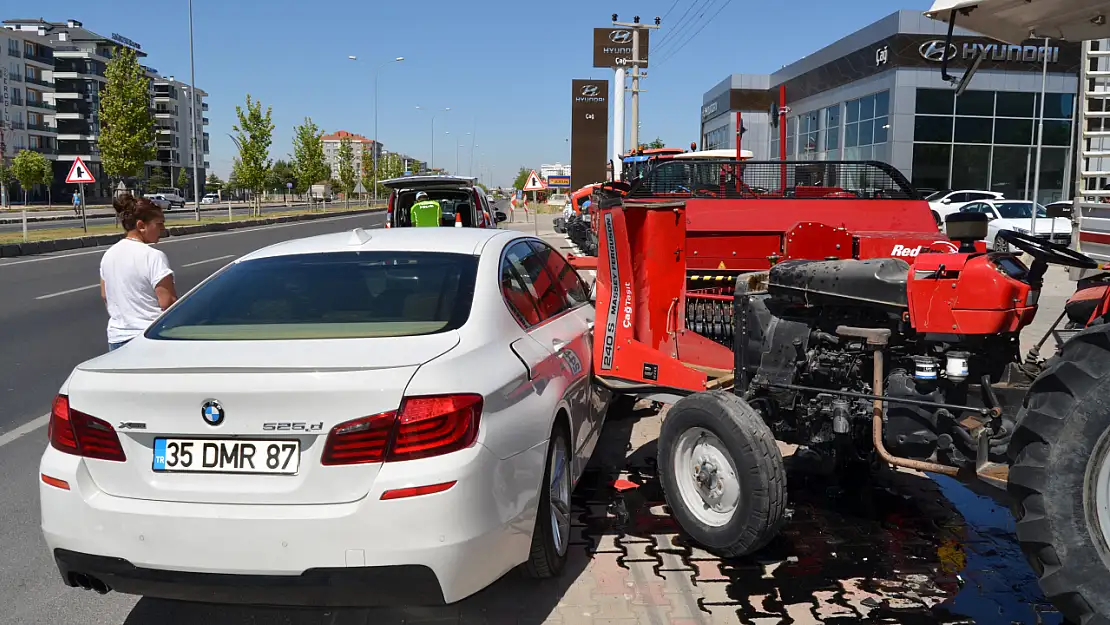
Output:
x,y
79,173
534,183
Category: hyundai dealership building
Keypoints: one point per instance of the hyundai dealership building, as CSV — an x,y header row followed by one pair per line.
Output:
x,y
878,94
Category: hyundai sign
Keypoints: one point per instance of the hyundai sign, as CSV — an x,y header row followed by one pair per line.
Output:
x,y
613,47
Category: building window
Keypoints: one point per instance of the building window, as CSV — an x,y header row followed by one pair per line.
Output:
x,y
986,139
867,125
13,48
809,132
717,138
832,129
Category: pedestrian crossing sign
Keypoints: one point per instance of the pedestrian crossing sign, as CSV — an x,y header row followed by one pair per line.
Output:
x,y
79,173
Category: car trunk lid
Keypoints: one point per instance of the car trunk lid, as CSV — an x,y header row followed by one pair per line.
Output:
x,y
270,392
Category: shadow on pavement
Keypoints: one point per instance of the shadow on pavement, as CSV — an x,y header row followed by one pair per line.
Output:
x,y
893,548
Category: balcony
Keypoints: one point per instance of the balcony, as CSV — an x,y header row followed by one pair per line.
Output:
x,y
46,150
14,52
163,113
15,77
45,59
41,105
16,125
204,106
204,121
37,81
40,127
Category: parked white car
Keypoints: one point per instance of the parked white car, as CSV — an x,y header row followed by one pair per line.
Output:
x,y
944,203
210,198
360,418
1017,215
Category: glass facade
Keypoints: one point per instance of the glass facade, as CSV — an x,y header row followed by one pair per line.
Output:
x,y
987,140
816,135
716,139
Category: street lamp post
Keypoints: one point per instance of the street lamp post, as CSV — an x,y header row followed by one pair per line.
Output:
x,y
193,106
432,156
377,146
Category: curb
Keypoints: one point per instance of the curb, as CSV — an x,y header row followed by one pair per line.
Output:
x,y
12,250
32,219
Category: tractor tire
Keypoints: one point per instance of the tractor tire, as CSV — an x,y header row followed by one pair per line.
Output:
x,y
736,502
1059,481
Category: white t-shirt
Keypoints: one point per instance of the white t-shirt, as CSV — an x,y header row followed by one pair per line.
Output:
x,y
130,270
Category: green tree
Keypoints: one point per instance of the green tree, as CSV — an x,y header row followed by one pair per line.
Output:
x,y
46,178
347,174
254,134
657,144
308,155
390,165
521,178
183,181
27,169
157,180
126,140
214,183
284,174
6,180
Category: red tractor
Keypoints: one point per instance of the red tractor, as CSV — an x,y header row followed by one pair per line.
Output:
x,y
815,303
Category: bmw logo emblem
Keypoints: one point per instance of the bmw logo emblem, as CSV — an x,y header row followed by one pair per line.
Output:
x,y
212,412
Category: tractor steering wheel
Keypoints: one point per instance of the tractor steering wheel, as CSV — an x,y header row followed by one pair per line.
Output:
x,y
1047,251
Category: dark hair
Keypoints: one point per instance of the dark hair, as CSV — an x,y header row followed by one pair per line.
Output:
x,y
130,211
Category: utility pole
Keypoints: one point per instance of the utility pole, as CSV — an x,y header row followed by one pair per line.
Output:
x,y
195,113
636,27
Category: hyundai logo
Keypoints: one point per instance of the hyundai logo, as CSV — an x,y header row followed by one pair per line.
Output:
x,y
935,51
212,412
621,36
590,91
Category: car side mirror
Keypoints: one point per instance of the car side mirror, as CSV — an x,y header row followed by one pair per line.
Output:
x,y
946,201
593,292
500,216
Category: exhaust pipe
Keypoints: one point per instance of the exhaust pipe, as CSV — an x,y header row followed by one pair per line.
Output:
x,y
80,580
98,586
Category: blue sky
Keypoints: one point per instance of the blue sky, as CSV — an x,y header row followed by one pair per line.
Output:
x,y
503,67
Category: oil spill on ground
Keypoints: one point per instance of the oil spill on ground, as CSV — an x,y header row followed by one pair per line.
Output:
x,y
895,548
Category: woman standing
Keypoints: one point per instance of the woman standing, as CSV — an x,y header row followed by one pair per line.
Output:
x,y
136,281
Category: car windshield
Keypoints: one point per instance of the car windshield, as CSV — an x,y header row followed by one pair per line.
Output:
x,y
326,296
1018,210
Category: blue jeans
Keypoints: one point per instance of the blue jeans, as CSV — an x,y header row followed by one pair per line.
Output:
x,y
114,346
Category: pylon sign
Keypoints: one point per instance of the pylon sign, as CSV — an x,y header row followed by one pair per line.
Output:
x,y
79,173
534,183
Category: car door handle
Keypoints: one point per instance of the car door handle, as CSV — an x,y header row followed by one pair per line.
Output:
x,y
559,345
590,325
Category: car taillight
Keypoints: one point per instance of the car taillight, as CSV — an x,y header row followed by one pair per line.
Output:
x,y
360,441
423,427
389,211
431,426
77,433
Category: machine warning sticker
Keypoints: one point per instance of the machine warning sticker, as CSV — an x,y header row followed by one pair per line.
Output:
x,y
651,372
614,296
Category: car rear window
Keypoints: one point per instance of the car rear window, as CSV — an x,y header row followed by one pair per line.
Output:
x,y
327,296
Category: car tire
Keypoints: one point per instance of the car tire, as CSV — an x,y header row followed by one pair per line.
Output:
x,y
548,554
718,428
1059,470
940,222
999,244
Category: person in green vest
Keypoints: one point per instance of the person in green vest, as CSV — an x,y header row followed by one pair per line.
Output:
x,y
425,212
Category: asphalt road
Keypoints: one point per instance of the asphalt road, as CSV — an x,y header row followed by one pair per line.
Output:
x,y
177,215
51,319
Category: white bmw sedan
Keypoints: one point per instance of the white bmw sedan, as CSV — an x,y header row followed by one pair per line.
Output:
x,y
366,418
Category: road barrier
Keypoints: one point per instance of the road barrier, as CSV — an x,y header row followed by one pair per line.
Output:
x,y
97,240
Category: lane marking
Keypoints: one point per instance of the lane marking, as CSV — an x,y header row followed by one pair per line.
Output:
x,y
210,260
24,429
68,291
197,237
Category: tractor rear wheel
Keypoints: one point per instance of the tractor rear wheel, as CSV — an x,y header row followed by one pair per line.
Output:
x,y
722,473
1060,477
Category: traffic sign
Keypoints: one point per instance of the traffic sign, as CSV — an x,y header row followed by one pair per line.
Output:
x,y
79,173
534,183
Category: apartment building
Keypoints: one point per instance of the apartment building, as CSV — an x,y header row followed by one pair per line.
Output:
x,y
26,97
77,68
176,114
358,143
409,165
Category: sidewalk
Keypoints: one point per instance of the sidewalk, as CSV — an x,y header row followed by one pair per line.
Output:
x,y
13,214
